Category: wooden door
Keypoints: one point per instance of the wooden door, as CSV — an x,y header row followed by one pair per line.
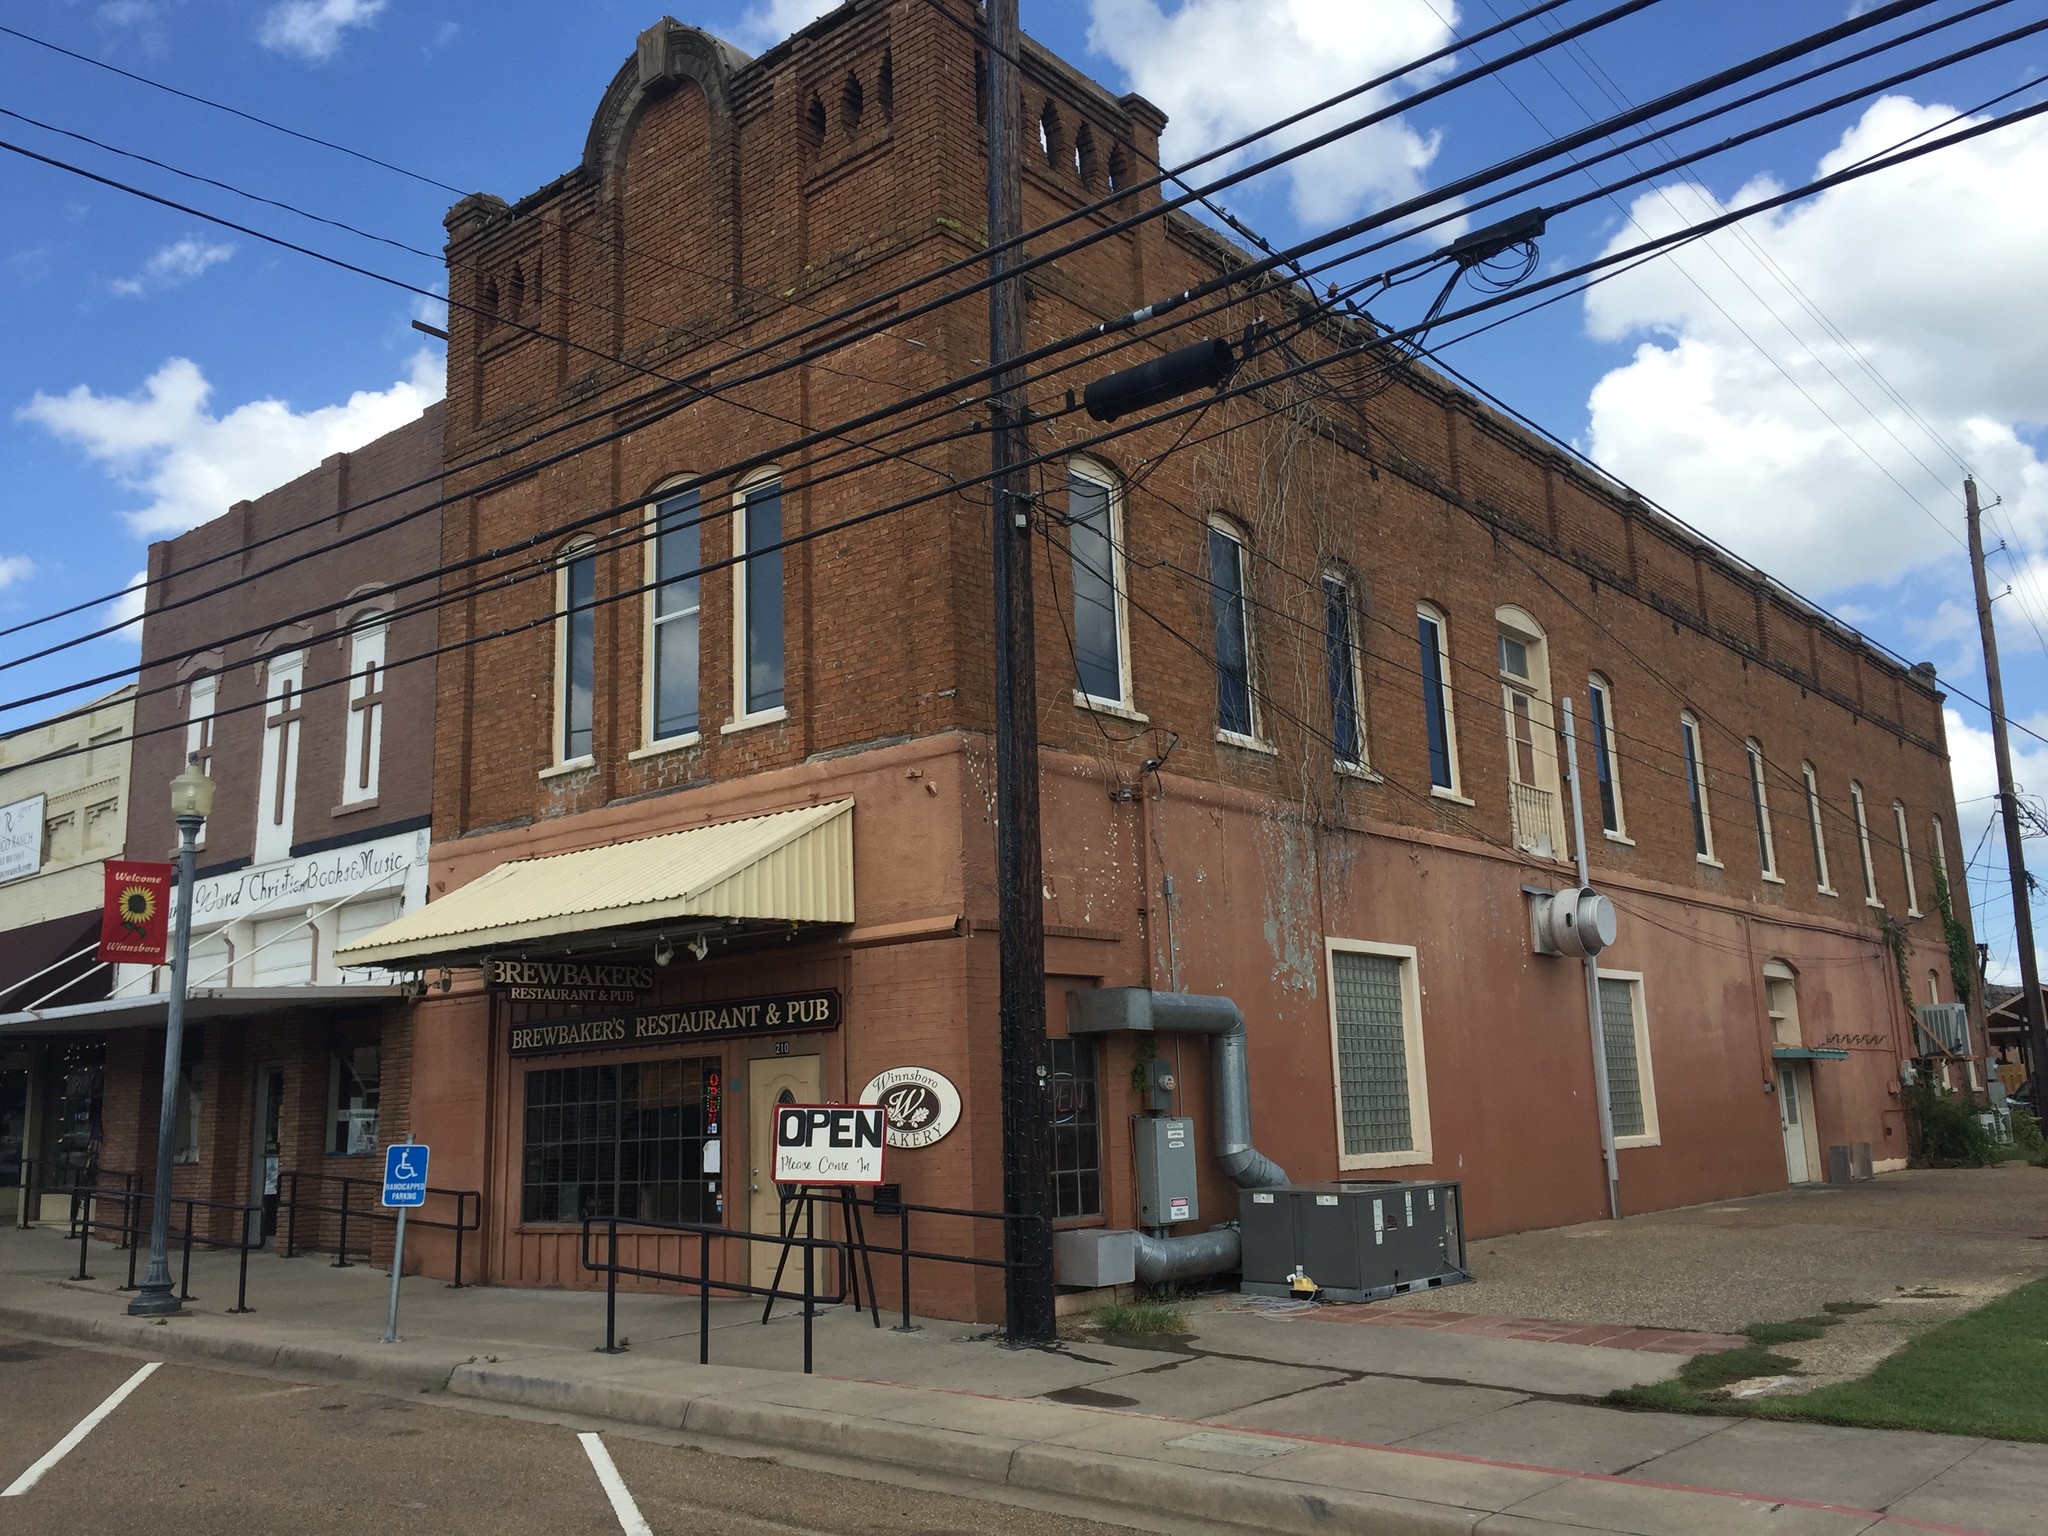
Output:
x,y
773,1080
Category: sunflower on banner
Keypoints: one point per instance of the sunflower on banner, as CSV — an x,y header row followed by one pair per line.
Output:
x,y
136,918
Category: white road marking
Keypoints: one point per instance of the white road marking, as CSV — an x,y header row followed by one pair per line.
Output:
x,y
631,1521
86,1425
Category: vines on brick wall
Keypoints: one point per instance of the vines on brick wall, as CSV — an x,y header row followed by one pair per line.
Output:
x,y
1960,958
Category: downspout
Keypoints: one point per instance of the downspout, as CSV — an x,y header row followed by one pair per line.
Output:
x,y
1609,1164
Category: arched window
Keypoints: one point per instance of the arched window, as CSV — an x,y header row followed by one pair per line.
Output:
x,y
1906,858
364,738
1087,163
277,790
1102,654
517,292
885,84
1760,802
674,610
853,103
814,119
576,653
1696,786
1051,138
1344,670
1821,882
1439,714
1606,755
1534,802
1781,1004
757,609
1863,844
1941,857
488,303
1119,168
1230,613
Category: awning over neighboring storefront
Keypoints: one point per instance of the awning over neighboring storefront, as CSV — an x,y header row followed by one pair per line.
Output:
x,y
790,866
53,962
201,1005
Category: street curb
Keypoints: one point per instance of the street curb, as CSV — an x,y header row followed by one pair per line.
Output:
x,y
1265,1504
181,1339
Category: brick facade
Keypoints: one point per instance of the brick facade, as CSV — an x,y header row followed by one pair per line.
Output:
x,y
723,204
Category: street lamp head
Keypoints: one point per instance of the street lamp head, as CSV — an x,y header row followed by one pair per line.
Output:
x,y
191,792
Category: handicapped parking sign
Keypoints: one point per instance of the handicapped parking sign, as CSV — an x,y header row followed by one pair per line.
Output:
x,y
405,1174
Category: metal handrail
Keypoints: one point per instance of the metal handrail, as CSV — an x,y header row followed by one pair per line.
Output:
x,y
33,1189
469,1214
902,1209
134,1201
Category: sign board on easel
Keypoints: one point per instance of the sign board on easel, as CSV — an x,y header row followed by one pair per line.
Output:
x,y
829,1143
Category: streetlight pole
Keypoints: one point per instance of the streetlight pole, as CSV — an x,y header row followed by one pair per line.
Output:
x,y
191,799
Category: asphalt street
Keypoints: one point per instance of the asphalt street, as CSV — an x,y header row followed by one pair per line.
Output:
x,y
197,1449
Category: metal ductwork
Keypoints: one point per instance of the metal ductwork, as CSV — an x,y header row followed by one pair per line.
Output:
x,y
1109,1010
1192,1256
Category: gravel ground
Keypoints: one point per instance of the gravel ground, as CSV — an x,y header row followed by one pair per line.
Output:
x,y
1715,1268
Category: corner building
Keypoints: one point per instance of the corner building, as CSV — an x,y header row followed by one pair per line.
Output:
x,y
1301,667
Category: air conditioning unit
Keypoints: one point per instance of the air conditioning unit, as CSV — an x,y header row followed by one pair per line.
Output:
x,y
1352,1241
1947,1026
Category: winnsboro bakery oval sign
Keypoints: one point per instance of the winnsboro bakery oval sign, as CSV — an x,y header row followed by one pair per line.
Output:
x,y
923,1106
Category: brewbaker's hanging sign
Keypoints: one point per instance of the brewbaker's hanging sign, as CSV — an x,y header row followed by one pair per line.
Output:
x,y
568,981
785,1013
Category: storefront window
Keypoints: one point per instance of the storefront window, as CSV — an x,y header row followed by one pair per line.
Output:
x,y
13,1115
352,1099
191,1085
73,1137
621,1140
1076,1154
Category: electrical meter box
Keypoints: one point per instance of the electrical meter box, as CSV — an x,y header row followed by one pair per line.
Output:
x,y
1166,1170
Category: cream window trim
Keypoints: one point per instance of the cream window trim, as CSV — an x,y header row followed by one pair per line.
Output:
x,y
663,748
742,718
1652,1133
1095,706
1447,700
366,646
566,557
652,621
1941,856
1234,534
1906,858
1696,771
1247,743
564,769
1817,829
1607,757
1870,897
1760,802
1111,486
1411,1029
1437,792
276,813
1338,587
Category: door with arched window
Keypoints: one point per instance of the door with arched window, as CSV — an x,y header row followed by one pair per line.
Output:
x,y
1533,799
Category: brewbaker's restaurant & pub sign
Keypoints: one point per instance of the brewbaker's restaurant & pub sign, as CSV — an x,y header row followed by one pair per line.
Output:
x,y
731,1018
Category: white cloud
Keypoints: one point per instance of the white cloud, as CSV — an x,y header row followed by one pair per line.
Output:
x,y
1900,261
15,568
768,22
127,608
1973,769
1220,68
313,29
163,443
176,264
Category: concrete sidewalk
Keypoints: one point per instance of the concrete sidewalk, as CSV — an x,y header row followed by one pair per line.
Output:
x,y
1268,1419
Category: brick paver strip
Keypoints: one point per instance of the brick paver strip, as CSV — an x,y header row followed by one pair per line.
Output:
x,y
1535,1330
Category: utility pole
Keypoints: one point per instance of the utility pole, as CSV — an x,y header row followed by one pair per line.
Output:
x,y
1020,877
2008,807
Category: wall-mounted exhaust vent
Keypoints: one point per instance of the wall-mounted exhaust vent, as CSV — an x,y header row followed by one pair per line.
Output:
x,y
1577,920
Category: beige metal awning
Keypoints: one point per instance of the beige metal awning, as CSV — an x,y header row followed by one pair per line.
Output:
x,y
791,866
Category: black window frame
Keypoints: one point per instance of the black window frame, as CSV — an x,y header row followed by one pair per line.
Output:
x,y
1074,1128
573,1153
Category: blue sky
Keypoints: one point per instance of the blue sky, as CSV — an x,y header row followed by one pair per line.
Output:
x,y
1799,393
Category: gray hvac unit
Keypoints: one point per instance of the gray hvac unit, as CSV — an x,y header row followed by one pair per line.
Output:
x,y
1355,1241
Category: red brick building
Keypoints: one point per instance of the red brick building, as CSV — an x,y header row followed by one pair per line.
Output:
x,y
1300,671
276,648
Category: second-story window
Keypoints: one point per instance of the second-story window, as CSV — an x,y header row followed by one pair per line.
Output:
x,y
1440,721
1863,844
576,654
1534,805
1101,659
1941,856
757,609
1821,882
1341,660
1696,786
1606,756
1760,801
1231,614
363,741
202,695
674,609
1906,858
277,790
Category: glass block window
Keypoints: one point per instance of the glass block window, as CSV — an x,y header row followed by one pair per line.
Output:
x,y
1375,1103
1075,1158
623,1139
1624,1071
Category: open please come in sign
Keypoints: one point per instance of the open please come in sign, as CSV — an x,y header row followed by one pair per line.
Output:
x,y
829,1143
